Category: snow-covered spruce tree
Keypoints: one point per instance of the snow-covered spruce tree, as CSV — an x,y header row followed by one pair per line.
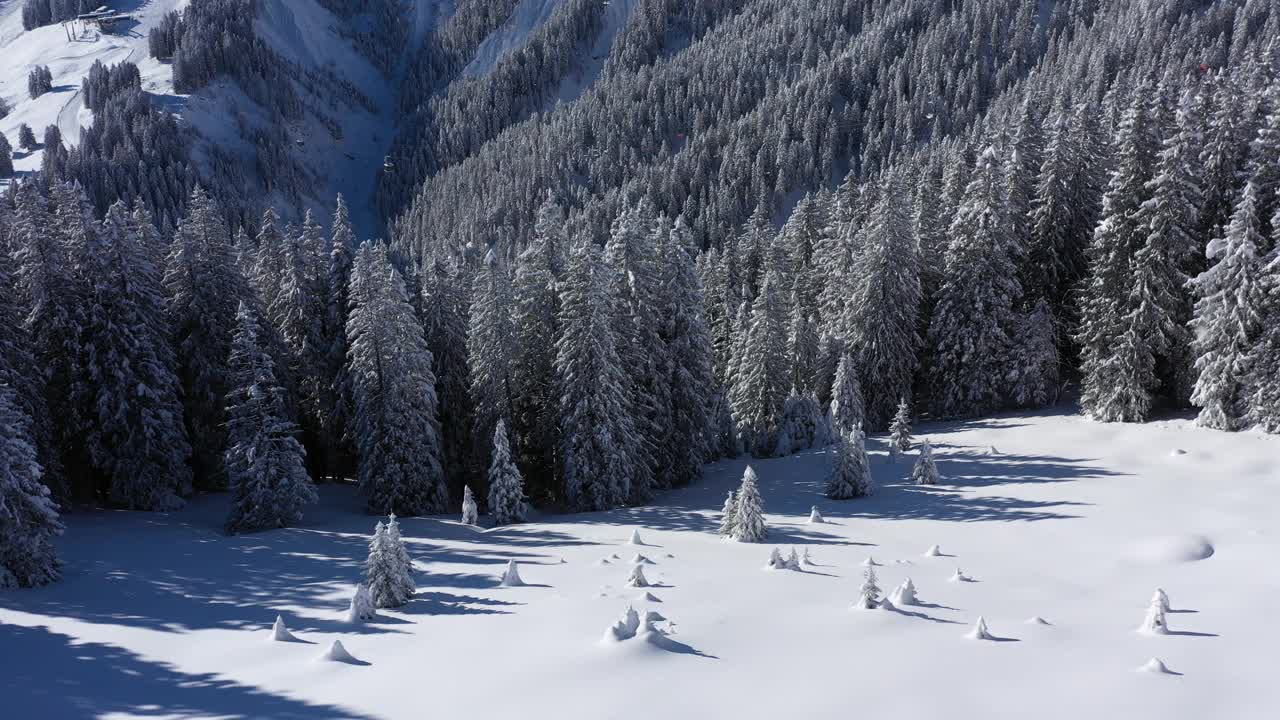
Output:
x,y
728,515
265,462
748,522
846,396
18,368
470,515
802,346
688,346
900,429
269,259
630,255
384,571
28,516
534,325
1117,365
6,157
850,471
125,386
1035,373
594,427
879,320
490,350
925,471
298,313
869,591
506,486
444,311
1228,318
1264,358
47,293
400,554
205,289
760,388
337,405
969,333
396,428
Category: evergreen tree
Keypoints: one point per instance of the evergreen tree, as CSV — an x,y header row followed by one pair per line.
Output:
x,y
880,315
506,486
728,515
534,325
126,388
748,522
850,473
869,592
298,312
444,311
846,397
925,471
337,405
490,350
760,388
396,427
688,347
386,575
28,516
969,333
1117,365
264,460
1264,357
594,427
900,429
205,289
1227,318
6,157
470,515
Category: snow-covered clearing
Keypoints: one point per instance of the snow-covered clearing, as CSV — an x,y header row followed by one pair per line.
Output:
x,y
1048,516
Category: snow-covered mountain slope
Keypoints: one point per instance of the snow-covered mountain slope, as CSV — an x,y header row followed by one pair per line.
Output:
x,y
69,51
1050,516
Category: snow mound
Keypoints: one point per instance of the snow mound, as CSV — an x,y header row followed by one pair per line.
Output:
x,y
979,631
280,633
959,576
650,597
815,517
615,556
1037,620
992,450
511,576
1181,548
870,562
933,551
637,578
361,607
603,561
639,559
1161,598
635,538
654,616
1175,453
1154,666
338,653
904,594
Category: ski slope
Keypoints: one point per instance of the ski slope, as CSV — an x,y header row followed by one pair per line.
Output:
x,y
70,51
1049,515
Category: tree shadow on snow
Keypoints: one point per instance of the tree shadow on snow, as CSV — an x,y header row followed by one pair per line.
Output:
x,y
431,602
59,677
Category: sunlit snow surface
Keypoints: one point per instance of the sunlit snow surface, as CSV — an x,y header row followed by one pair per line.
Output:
x,y
1065,535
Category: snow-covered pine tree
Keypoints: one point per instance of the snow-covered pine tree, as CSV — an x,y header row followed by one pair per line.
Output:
x,y
205,289
1228,318
728,515
444,310
400,555
125,386
802,347
1117,365
46,291
338,407
925,471
869,591
760,388
269,259
968,335
490,350
382,571
18,368
396,427
264,460
900,429
879,321
1264,357
850,471
748,522
1034,375
534,325
594,426
631,258
847,407
298,312
6,157
470,515
28,516
506,486
801,424
688,347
